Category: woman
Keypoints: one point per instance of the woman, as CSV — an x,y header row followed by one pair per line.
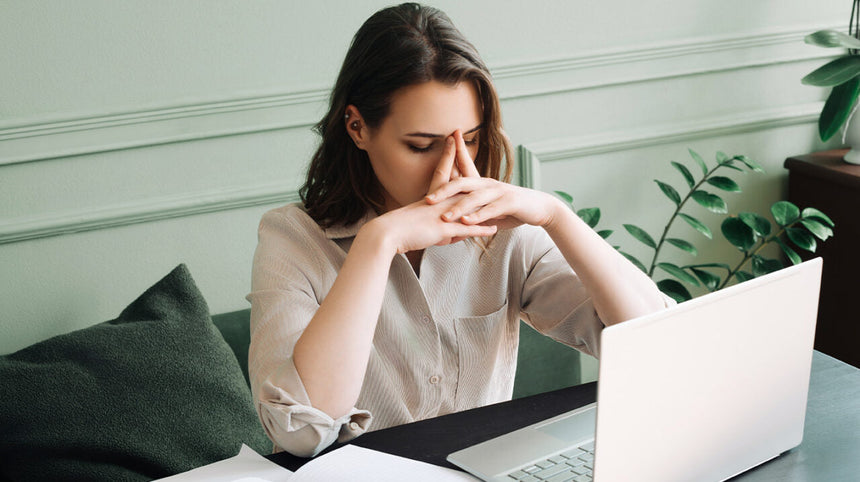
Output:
x,y
367,303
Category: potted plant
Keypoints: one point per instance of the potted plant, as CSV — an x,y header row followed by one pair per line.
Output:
x,y
843,75
748,232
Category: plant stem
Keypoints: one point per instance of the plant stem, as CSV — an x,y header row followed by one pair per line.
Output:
x,y
675,215
748,255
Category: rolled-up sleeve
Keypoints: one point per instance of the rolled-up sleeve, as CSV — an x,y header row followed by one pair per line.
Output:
x,y
554,300
285,278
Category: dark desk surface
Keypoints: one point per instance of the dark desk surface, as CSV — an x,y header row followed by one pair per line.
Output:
x,y
830,449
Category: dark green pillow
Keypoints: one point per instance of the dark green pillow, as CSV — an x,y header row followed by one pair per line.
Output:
x,y
152,393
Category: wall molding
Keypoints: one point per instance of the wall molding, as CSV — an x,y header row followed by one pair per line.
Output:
x,y
531,155
149,210
51,138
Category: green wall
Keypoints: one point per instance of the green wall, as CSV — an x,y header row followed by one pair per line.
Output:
x,y
137,135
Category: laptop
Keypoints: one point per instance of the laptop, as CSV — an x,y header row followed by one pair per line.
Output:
x,y
701,391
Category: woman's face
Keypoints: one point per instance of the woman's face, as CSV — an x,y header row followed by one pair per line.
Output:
x,y
407,146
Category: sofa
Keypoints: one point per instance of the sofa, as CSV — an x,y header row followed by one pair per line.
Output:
x,y
161,389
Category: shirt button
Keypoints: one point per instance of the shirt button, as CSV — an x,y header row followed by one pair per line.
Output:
x,y
353,426
425,319
434,379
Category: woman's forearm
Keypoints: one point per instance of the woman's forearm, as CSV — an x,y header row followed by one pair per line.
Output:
x,y
619,289
332,353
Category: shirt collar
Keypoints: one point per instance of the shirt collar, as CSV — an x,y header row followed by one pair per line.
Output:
x,y
350,230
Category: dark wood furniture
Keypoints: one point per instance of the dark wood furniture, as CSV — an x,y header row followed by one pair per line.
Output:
x,y
824,181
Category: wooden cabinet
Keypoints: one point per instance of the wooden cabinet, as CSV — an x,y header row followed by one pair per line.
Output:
x,y
824,181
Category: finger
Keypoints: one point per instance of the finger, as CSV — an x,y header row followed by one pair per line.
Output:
x,y
471,203
460,232
442,174
455,186
464,161
488,212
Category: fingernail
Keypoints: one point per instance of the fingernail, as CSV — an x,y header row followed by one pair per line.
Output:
x,y
449,215
431,196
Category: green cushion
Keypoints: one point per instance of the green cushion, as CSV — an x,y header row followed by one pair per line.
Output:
x,y
152,393
543,364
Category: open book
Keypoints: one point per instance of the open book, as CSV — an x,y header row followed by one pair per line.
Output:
x,y
346,463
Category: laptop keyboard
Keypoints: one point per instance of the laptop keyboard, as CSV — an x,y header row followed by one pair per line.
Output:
x,y
575,465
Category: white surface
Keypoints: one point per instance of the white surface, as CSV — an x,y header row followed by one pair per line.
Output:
x,y
359,464
719,383
247,466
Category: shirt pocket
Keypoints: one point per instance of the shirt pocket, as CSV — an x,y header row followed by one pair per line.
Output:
x,y
487,356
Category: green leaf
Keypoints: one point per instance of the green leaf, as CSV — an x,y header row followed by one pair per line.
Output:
x,y
818,229
710,280
675,290
814,213
688,176
565,196
834,72
670,192
712,202
724,183
685,245
759,224
591,216
732,166
641,235
738,233
605,233
701,162
698,225
712,265
784,212
832,38
753,165
744,276
762,266
635,261
722,158
837,108
790,253
802,239
679,273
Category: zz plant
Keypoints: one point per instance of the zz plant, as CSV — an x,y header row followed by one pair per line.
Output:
x,y
748,232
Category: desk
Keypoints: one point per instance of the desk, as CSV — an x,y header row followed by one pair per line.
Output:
x,y
830,449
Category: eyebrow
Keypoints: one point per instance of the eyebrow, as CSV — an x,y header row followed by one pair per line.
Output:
x,y
436,136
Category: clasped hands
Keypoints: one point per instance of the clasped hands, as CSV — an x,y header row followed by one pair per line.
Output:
x,y
461,204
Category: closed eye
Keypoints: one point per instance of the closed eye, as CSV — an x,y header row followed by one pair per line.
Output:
x,y
420,149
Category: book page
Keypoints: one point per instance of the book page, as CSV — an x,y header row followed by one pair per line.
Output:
x,y
360,464
247,466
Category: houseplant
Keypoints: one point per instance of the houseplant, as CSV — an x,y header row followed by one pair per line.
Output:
x,y
843,76
749,232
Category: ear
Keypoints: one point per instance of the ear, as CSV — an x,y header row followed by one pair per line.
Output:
x,y
355,126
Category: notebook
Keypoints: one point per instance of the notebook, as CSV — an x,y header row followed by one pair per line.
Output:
x,y
701,391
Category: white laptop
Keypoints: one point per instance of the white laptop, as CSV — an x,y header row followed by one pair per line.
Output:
x,y
701,391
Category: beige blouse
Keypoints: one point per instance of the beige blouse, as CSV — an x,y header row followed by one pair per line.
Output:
x,y
445,341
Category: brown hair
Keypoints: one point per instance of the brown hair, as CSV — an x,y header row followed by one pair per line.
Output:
x,y
396,47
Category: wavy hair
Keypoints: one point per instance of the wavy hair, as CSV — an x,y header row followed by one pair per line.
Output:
x,y
397,47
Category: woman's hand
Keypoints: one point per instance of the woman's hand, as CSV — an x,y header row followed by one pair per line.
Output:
x,y
486,201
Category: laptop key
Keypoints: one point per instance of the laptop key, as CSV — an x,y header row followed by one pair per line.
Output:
x,y
518,475
562,477
545,464
557,459
530,478
575,462
580,470
573,453
549,472
583,478
589,447
532,469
